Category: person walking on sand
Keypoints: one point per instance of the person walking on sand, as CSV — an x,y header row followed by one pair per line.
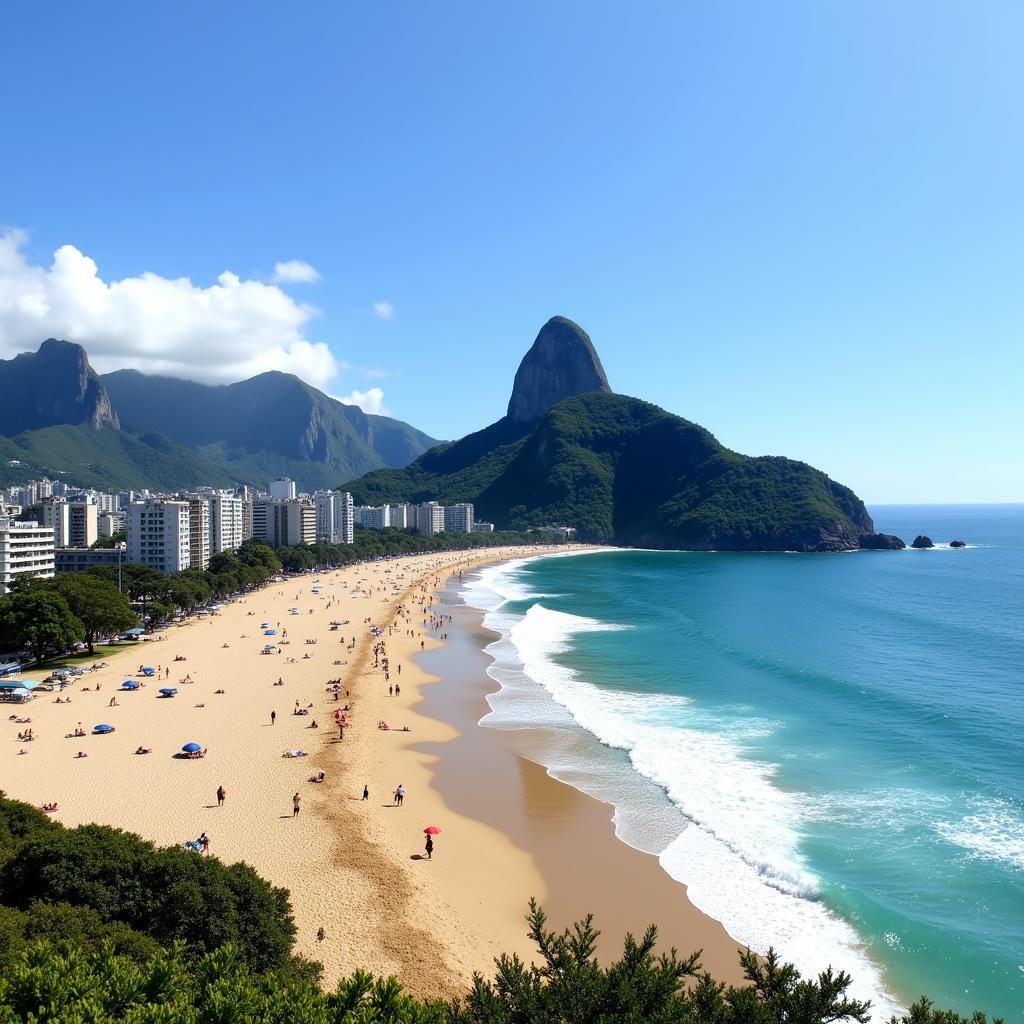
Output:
x,y
430,847
273,717
221,794
366,792
295,805
399,795
320,934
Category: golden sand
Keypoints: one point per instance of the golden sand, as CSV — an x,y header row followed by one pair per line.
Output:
x,y
355,868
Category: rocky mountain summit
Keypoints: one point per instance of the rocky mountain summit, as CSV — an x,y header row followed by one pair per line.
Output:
x,y
54,385
619,469
562,362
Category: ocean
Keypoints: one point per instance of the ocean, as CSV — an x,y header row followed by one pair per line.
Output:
x,y
828,750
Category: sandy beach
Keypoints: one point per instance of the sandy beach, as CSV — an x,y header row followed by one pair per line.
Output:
x,y
354,867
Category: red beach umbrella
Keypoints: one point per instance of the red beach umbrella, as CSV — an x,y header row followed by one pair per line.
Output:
x,y
431,830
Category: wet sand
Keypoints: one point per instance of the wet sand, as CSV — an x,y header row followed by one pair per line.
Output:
x,y
494,776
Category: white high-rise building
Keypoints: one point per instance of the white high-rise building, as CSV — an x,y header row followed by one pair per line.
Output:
x,y
458,518
26,549
159,534
335,520
430,518
199,532
282,489
373,517
227,523
402,517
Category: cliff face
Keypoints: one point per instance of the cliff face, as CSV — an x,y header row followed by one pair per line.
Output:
x,y
562,362
53,386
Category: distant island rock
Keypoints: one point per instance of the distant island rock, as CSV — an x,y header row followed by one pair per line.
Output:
x,y
921,541
958,544
880,542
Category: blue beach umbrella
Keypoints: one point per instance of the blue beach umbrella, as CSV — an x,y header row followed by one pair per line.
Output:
x,y
168,691
103,729
263,625
191,748
129,684
270,632
148,670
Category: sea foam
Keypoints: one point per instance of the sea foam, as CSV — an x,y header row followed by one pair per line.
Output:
x,y
726,830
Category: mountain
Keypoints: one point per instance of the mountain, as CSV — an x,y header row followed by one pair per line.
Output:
x,y
270,425
571,452
54,385
164,433
561,362
106,459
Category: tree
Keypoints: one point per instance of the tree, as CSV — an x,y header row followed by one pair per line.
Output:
x,y
112,540
96,602
40,620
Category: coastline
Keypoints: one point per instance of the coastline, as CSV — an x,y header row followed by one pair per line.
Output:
x,y
569,834
353,867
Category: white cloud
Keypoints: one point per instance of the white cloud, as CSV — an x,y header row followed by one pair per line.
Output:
x,y
295,272
383,310
217,334
371,400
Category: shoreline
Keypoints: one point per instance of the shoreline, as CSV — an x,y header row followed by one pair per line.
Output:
x,y
569,834
353,867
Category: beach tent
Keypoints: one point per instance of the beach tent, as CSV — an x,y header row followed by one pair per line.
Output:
x,y
168,691
191,748
149,671
129,684
102,729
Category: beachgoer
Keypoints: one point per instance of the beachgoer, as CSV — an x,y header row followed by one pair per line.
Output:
x,y
221,794
320,934
273,717
430,847
399,795
295,805
366,792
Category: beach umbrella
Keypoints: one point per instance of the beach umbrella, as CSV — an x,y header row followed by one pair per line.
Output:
x,y
103,728
129,684
168,691
148,670
270,632
269,647
431,830
263,625
137,631
191,748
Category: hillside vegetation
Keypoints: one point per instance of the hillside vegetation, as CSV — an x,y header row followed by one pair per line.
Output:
x,y
623,470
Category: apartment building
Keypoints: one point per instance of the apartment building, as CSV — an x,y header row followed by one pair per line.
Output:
x,y
159,534
458,518
83,529
26,549
199,532
227,522
430,518
335,517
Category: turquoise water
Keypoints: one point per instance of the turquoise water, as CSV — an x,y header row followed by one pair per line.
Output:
x,y
827,749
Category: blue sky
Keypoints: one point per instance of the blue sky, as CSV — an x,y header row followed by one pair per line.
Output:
x,y
798,224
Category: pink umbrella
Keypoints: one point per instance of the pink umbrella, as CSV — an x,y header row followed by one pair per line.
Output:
x,y
431,830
